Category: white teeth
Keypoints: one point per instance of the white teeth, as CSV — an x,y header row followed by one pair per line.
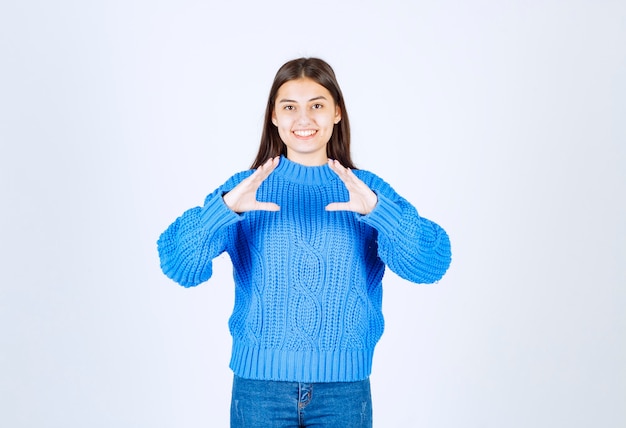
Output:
x,y
306,133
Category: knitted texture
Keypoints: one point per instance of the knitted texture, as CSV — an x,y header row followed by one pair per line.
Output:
x,y
308,282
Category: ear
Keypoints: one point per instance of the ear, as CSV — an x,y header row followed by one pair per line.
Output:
x,y
337,115
274,121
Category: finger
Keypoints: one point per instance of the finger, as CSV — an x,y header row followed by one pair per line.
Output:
x,y
267,206
271,163
338,206
336,166
345,174
262,172
266,169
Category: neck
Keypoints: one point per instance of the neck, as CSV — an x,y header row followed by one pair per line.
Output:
x,y
313,159
304,174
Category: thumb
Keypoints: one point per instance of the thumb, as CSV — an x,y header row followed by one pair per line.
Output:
x,y
338,206
267,206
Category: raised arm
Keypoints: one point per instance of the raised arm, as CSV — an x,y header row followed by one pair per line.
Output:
x,y
415,248
189,245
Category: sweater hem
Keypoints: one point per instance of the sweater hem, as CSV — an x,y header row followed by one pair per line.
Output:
x,y
301,366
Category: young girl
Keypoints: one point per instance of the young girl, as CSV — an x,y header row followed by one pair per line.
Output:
x,y
309,236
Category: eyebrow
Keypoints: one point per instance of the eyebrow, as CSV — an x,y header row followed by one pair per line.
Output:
x,y
284,100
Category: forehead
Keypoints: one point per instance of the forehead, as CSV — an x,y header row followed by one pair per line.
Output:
x,y
303,89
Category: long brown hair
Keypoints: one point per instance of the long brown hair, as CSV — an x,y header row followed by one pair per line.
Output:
x,y
319,71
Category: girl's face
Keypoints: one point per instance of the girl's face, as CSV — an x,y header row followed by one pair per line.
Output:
x,y
305,115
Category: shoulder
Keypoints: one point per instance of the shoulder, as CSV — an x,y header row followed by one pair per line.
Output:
x,y
229,184
373,181
235,179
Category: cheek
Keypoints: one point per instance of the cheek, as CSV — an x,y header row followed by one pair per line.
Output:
x,y
281,121
330,121
283,131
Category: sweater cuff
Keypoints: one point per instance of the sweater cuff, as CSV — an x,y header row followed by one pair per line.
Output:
x,y
385,217
215,214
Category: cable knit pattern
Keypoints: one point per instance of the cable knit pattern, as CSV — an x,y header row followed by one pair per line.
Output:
x,y
308,282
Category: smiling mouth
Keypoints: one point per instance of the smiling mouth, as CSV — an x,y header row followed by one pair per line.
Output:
x,y
305,133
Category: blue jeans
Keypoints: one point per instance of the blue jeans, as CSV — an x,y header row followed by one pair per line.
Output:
x,y
265,404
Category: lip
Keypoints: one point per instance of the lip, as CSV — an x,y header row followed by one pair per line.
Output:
x,y
304,133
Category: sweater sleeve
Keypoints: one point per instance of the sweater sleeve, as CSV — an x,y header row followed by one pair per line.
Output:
x,y
413,247
189,245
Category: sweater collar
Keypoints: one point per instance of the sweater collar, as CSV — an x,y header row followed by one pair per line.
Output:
x,y
309,175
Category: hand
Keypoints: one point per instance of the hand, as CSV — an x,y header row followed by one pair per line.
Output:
x,y
362,199
242,197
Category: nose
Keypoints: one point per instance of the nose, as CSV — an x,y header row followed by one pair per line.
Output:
x,y
303,117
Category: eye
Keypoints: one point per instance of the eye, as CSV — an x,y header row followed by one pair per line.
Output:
x,y
289,107
318,106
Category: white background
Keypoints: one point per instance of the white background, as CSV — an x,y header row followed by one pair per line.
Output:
x,y
504,121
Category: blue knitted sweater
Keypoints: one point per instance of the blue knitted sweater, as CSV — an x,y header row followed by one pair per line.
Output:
x,y
308,292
